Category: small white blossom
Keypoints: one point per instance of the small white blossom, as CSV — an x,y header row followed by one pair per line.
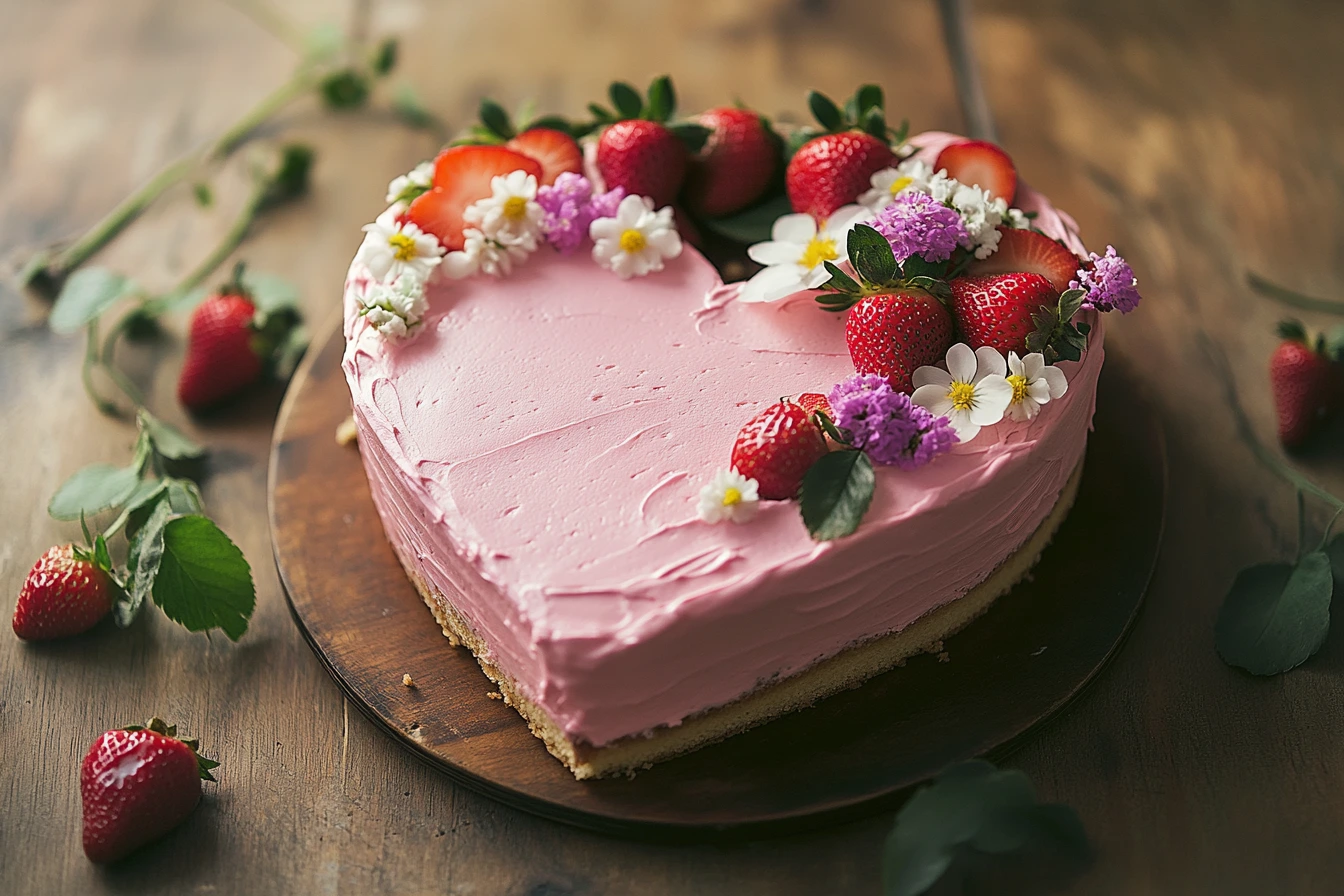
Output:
x,y
510,211
887,184
495,255
395,308
406,187
795,256
636,240
728,496
1018,220
972,392
393,248
982,214
1034,383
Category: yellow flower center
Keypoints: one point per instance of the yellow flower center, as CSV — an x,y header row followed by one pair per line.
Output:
x,y
402,245
633,241
900,184
731,496
962,396
818,249
515,208
1019,384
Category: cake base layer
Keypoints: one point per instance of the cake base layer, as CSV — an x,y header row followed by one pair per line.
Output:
x,y
847,669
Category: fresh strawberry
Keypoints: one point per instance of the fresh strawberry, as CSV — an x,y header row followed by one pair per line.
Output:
x,y
1031,252
832,170
221,360
555,151
137,784
776,447
462,175
891,335
814,402
1302,378
996,309
64,594
981,164
643,157
735,166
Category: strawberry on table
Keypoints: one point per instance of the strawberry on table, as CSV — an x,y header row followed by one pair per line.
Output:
x,y
1302,376
1027,251
735,166
776,447
137,784
997,309
833,169
892,335
981,164
462,175
66,593
555,151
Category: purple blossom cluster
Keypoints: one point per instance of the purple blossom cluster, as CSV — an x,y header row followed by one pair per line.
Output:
x,y
917,224
570,206
886,424
1110,283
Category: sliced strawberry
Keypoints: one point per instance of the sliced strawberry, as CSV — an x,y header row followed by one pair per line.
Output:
x,y
996,309
556,151
982,164
462,175
1031,252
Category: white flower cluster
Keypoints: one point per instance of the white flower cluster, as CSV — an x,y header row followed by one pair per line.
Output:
x,y
504,228
979,387
396,307
980,213
408,186
400,258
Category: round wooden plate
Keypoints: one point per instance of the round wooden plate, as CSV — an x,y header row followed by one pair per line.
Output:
x,y
1008,672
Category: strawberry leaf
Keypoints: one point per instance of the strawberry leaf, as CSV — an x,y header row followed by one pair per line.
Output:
x,y
143,559
203,581
751,225
839,282
384,57
93,489
496,120
872,256
343,90
827,114
874,123
662,99
691,134
836,492
1276,615
867,98
626,99
167,441
86,294
411,109
145,493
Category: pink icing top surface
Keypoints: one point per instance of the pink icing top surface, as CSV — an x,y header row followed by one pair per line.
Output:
x,y
536,452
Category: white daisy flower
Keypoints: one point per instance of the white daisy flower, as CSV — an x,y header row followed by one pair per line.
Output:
x,y
1034,383
795,256
728,496
887,184
494,255
510,211
395,308
971,393
636,241
406,187
391,248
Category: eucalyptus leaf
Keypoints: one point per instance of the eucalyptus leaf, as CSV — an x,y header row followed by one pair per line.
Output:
x,y
871,255
835,494
1276,615
93,489
827,114
752,225
168,441
626,99
87,293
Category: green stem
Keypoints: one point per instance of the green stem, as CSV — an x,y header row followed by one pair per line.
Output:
x,y
270,21
91,363
303,80
1290,298
1301,524
231,241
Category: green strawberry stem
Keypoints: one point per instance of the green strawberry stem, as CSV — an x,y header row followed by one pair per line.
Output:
x,y
1292,299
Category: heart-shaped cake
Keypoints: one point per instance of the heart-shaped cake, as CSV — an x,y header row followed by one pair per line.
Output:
x,y
542,434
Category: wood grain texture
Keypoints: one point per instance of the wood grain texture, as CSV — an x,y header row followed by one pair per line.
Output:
x,y
1201,138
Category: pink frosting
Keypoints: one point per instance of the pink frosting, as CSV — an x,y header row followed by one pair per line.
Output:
x,y
536,453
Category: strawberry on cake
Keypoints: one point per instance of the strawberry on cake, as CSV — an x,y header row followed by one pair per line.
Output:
x,y
574,432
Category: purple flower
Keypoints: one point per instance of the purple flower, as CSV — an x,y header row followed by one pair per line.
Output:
x,y
886,425
570,207
1110,283
918,224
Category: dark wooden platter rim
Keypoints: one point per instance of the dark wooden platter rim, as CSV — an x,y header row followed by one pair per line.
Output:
x,y
1010,671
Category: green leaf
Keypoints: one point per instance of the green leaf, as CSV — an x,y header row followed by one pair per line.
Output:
x,y
934,286
601,113
626,99
408,106
836,492
323,41
384,57
1334,343
691,134
205,197
1336,553
101,557
751,225
662,99
168,441
87,293
828,115
290,178
203,581
496,119
868,97
344,90
145,493
290,351
874,123
1276,615
93,489
143,559
871,255
552,122
840,281
270,292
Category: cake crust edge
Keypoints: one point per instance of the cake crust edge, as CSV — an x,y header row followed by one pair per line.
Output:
x,y
847,669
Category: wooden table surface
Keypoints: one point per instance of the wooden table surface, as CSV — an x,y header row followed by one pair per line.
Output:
x,y
1201,138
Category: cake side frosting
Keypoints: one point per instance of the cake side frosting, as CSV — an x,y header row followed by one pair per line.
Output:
x,y
534,452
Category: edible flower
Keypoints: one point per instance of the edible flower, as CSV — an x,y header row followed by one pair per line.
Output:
x,y
510,214
916,224
887,184
569,206
406,187
971,393
1034,383
795,256
886,424
635,240
1110,283
392,248
395,308
728,496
